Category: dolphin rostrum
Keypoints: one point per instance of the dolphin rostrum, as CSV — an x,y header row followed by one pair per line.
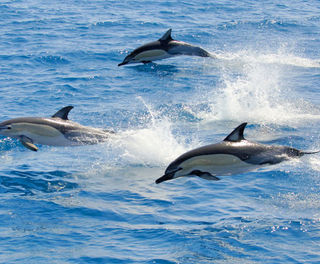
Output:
x,y
54,131
234,155
163,48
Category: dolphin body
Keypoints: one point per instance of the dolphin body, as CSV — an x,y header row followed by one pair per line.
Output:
x,y
54,131
234,155
165,47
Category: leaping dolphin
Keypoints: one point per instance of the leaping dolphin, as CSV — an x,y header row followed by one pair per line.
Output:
x,y
163,48
234,155
54,131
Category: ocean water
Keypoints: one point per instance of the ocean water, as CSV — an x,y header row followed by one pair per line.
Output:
x,y
99,203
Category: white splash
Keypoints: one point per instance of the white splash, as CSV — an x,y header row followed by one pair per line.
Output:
x,y
153,145
253,88
315,163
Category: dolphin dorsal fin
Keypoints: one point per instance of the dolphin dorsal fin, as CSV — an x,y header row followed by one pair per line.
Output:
x,y
236,134
63,113
167,36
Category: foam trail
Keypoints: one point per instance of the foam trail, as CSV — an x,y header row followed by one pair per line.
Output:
x,y
281,58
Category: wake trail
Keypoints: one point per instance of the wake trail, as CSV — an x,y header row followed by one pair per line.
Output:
x,y
271,58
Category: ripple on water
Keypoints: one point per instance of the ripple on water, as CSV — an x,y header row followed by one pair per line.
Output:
x,y
29,182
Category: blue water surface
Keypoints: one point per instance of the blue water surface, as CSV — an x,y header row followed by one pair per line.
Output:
x,y
99,203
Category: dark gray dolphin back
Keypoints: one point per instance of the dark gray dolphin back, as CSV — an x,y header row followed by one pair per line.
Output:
x,y
160,43
62,114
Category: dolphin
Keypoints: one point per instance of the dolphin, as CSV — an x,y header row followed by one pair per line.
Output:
x,y
234,155
165,47
57,130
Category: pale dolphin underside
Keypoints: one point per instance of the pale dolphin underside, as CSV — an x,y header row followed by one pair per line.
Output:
x,y
234,155
165,47
57,130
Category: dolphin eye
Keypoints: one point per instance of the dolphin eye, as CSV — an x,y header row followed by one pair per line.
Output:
x,y
244,156
9,127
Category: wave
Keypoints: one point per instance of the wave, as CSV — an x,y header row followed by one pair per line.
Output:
x,y
52,59
30,182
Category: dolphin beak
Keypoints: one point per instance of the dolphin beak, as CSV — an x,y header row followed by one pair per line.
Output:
x,y
168,176
165,177
123,63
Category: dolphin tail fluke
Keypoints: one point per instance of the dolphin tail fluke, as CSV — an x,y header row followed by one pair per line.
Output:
x,y
28,143
211,55
309,152
203,53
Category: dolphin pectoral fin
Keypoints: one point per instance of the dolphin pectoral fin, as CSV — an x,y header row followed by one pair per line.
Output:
x,y
204,175
28,143
208,176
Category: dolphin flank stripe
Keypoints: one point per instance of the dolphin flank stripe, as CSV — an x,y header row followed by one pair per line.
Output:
x,y
150,55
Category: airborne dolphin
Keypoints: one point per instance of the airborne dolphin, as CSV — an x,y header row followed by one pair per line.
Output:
x,y
54,131
234,155
165,47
